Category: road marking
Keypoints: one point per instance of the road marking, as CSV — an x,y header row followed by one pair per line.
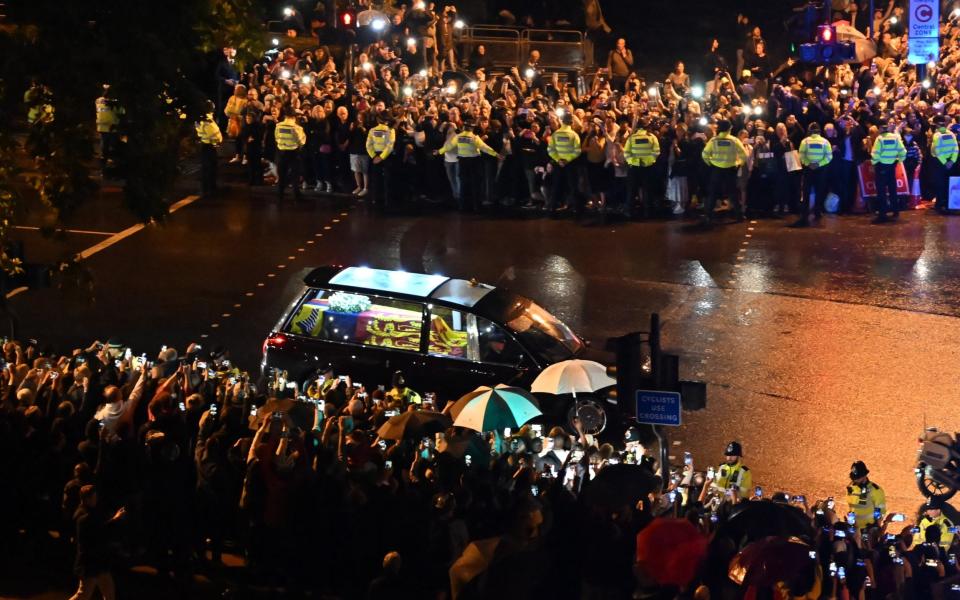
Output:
x,y
80,231
236,306
249,294
119,237
13,293
214,325
327,227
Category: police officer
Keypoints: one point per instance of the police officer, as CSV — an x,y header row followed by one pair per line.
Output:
x,y
380,142
943,147
210,137
107,121
290,138
724,153
733,475
468,146
641,152
888,150
933,517
564,150
815,154
865,498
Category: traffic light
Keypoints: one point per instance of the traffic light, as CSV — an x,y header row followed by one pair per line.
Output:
x,y
628,371
348,19
827,50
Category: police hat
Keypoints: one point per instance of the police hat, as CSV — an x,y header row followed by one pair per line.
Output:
x,y
566,119
632,434
733,449
723,125
939,120
858,470
813,128
935,503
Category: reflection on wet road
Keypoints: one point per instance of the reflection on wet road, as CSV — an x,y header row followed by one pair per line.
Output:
x,y
820,346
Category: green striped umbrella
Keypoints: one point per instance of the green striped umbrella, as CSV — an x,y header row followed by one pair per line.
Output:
x,y
498,409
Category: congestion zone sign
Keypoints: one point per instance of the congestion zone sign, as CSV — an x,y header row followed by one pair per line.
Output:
x,y
925,19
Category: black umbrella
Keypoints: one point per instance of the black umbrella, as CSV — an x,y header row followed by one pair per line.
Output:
x,y
766,562
619,485
414,424
754,520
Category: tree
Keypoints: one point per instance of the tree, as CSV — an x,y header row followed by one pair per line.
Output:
x,y
54,60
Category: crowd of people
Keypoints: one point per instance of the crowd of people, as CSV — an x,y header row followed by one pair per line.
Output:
x,y
419,117
175,460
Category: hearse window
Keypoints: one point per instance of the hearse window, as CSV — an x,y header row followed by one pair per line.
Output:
x,y
453,333
365,319
496,345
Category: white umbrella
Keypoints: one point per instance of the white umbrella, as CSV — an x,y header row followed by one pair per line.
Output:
x,y
572,377
498,409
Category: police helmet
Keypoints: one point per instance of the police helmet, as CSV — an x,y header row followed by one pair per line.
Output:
x,y
935,503
723,125
813,128
939,120
858,470
209,106
733,449
567,119
632,434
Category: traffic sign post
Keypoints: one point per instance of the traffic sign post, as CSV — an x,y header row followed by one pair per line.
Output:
x,y
655,407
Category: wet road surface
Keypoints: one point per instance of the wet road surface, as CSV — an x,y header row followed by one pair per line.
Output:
x,y
819,346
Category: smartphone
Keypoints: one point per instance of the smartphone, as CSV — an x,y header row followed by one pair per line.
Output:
x,y
877,514
81,360
342,378
253,411
930,562
833,568
201,365
711,473
812,554
291,385
714,518
213,409
800,499
388,464
852,518
841,573
426,442
183,407
687,458
840,534
382,444
54,374
897,517
952,559
163,348
830,503
535,490
537,430
953,529
391,413
357,385
758,492
381,388
100,423
506,432
914,530
116,363
467,459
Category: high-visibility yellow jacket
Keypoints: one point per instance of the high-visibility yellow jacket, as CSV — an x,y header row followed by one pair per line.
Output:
x,y
289,135
108,117
815,149
864,500
946,536
208,131
736,477
642,149
468,145
888,149
724,151
564,144
380,141
943,146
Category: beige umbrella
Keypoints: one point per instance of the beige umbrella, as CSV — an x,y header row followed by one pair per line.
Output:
x,y
572,377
